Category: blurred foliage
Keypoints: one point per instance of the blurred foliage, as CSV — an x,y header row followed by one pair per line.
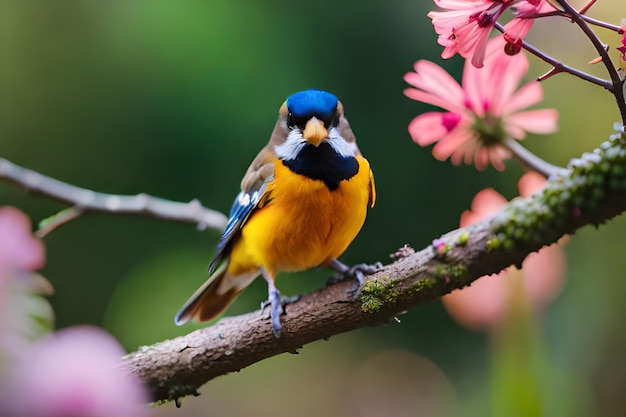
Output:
x,y
175,99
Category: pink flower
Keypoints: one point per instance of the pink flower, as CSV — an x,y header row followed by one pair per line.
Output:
x,y
484,303
18,248
74,372
464,25
24,314
481,113
517,29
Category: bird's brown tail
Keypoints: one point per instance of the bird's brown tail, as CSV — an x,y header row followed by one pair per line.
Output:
x,y
213,296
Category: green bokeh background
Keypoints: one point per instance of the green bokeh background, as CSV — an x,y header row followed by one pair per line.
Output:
x,y
174,99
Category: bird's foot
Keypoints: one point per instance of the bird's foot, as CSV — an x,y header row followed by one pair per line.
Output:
x,y
357,272
277,305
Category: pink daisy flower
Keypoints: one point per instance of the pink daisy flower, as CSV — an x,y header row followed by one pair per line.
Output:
x,y
481,113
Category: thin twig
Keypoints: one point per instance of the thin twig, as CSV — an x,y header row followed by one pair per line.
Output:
x,y
616,86
52,223
558,65
553,71
600,23
597,43
552,13
84,201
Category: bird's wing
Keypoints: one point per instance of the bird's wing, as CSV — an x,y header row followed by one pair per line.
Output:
x,y
253,195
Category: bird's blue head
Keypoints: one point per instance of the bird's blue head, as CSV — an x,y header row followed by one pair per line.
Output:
x,y
312,103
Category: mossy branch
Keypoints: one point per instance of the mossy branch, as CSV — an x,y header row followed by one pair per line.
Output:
x,y
591,191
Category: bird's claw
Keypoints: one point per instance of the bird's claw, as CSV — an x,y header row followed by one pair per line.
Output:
x,y
357,272
277,304
367,269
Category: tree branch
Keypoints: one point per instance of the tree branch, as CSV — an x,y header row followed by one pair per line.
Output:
x,y
85,201
558,66
590,191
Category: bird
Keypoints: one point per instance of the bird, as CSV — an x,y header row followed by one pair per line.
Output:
x,y
303,200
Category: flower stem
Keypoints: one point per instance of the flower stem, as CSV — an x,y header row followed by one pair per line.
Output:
x,y
530,160
600,23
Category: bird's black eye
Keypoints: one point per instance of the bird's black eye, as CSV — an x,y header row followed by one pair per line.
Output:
x,y
293,121
335,121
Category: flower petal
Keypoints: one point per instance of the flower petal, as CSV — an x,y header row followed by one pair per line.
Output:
x,y
543,122
505,75
464,151
464,27
419,95
484,204
427,128
450,144
18,248
530,183
517,29
531,93
497,156
441,88
481,304
472,85
74,372
544,275
462,4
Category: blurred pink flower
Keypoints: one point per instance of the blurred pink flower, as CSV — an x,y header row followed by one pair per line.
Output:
x,y
481,113
18,248
483,304
73,373
464,25
24,314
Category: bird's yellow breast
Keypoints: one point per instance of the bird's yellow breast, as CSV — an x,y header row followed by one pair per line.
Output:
x,y
303,224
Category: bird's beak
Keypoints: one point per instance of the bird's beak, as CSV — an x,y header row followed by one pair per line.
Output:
x,y
314,131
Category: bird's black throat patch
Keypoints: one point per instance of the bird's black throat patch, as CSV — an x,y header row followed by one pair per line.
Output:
x,y
323,163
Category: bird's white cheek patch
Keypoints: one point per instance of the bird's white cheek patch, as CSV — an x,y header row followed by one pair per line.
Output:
x,y
292,146
340,145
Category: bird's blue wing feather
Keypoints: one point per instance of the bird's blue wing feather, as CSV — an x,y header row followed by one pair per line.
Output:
x,y
245,203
